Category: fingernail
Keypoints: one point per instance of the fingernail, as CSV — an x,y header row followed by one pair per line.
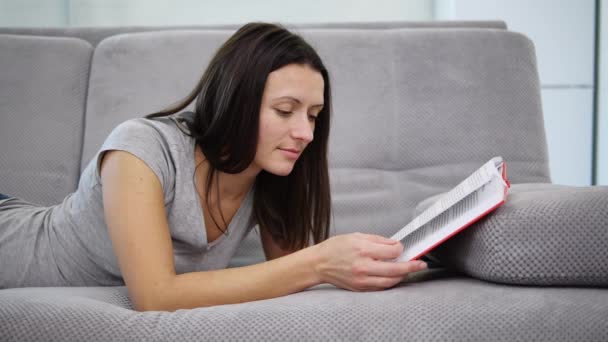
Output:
x,y
422,265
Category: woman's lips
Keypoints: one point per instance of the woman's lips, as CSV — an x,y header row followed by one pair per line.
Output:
x,y
290,153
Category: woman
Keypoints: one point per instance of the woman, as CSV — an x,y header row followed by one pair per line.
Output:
x,y
168,198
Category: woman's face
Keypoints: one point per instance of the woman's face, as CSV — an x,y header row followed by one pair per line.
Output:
x,y
293,98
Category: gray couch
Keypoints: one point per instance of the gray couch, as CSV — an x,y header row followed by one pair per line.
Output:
x,y
417,107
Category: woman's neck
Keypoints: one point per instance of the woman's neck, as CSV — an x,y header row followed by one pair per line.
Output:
x,y
231,187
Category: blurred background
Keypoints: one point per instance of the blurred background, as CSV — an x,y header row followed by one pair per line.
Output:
x,y
570,36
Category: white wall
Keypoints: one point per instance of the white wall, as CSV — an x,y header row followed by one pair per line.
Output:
x,y
563,33
33,13
192,12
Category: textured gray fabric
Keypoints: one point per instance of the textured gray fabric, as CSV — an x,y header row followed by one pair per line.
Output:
x,y
434,107
438,99
94,35
42,97
451,99
415,111
543,235
443,308
122,87
68,244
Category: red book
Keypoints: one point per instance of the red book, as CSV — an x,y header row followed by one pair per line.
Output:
x,y
478,195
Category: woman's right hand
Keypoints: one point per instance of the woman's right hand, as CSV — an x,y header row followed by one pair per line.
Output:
x,y
362,262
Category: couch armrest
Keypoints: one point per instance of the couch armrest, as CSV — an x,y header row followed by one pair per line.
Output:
x,y
544,234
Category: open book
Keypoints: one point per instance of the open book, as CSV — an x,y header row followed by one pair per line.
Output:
x,y
475,197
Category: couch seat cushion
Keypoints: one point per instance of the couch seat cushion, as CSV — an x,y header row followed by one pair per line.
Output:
x,y
439,307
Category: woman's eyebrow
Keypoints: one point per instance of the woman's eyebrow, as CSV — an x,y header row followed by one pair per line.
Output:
x,y
296,100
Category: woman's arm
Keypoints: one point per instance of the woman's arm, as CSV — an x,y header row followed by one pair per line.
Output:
x,y
137,224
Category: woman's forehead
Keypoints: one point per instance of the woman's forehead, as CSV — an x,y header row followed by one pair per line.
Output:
x,y
295,82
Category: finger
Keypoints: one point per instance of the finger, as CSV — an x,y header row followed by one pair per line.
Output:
x,y
380,239
394,269
381,251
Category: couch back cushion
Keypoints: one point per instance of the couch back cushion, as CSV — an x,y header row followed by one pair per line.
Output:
x,y
42,99
94,35
133,75
415,111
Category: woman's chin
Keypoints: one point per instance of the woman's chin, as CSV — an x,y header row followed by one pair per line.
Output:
x,y
280,170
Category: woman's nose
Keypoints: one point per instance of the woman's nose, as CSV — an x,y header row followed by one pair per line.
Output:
x,y
303,128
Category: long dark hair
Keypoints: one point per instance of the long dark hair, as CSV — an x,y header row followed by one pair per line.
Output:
x,y
291,208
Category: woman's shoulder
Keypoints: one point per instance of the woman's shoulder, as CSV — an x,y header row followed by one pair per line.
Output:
x,y
179,121
158,142
182,121
171,129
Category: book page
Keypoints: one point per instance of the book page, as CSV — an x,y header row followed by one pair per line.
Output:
x,y
480,193
459,216
471,183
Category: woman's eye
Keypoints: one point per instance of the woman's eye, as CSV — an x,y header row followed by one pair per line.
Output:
x,y
283,112
312,118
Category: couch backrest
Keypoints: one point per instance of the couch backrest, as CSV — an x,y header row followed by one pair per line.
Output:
x,y
43,86
42,166
415,111
94,35
136,74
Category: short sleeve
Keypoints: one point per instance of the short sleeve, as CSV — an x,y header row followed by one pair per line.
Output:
x,y
142,139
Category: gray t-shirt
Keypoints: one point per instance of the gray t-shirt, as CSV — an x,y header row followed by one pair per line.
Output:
x,y
68,244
